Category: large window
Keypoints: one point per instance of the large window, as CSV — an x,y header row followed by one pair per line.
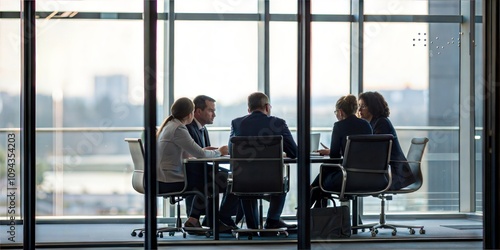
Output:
x,y
218,59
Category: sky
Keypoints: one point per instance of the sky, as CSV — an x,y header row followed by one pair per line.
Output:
x,y
215,58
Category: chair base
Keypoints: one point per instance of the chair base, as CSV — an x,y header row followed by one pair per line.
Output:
x,y
139,232
382,221
178,226
260,232
375,226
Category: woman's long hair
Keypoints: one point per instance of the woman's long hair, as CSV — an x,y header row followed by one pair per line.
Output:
x,y
181,108
375,103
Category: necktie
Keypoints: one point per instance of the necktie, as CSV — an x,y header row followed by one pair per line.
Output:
x,y
202,137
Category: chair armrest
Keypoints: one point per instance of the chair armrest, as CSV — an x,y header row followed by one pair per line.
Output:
x,y
409,161
230,181
325,166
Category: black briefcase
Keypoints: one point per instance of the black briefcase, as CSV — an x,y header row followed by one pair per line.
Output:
x,y
330,222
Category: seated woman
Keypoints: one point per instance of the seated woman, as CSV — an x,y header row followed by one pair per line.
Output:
x,y
347,124
374,109
173,145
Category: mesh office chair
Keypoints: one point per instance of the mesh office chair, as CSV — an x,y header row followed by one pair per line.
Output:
x,y
137,153
258,170
364,171
414,159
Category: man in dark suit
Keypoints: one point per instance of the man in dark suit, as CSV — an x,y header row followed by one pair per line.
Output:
x,y
260,122
204,113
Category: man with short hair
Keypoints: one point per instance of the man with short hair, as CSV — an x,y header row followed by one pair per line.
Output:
x,y
260,122
204,113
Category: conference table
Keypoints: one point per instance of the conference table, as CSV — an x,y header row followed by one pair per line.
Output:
x,y
226,160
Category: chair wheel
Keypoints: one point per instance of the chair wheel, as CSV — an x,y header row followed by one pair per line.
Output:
x,y
374,233
184,235
133,234
140,234
207,234
422,231
249,237
394,232
412,231
171,233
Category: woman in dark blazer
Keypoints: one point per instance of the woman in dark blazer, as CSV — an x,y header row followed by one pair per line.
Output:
x,y
374,109
347,124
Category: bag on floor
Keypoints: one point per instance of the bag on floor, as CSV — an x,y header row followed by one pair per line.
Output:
x,y
330,222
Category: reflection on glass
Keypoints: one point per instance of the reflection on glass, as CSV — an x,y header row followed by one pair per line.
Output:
x,y
330,71
91,5
10,5
413,80
216,6
479,111
218,59
283,70
331,7
283,7
412,7
10,62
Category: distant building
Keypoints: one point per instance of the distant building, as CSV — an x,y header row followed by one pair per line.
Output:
x,y
111,87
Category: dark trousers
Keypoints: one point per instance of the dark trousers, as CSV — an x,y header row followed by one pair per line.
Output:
x,y
198,175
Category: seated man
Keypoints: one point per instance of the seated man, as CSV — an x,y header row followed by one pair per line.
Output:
x,y
204,113
260,122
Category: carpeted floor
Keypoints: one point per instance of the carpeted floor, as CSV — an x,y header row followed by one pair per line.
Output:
x,y
443,233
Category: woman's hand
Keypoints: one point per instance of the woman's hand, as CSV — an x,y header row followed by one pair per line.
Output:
x,y
324,152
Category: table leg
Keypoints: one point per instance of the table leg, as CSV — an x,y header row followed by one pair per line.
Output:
x,y
215,197
355,214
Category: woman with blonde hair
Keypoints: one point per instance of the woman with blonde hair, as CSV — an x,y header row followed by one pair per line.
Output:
x,y
347,124
175,144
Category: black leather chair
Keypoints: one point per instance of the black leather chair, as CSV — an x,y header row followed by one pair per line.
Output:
x,y
414,158
137,153
364,171
257,171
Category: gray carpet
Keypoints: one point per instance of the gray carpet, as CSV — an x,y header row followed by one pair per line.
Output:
x,y
443,232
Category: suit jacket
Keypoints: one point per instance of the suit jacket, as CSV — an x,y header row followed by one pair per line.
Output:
x,y
195,171
260,124
351,125
401,171
194,131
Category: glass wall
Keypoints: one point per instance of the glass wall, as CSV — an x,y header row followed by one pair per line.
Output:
x,y
90,87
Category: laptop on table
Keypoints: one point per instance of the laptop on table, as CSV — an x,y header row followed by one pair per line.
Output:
x,y
315,140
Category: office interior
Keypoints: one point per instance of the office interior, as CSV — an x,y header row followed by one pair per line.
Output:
x,y
77,77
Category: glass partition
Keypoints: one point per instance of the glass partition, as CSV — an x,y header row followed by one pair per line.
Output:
x,y
412,7
89,6
216,6
10,5
90,91
218,59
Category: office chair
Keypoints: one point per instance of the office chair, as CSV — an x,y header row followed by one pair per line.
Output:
x,y
364,171
257,171
414,158
137,153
